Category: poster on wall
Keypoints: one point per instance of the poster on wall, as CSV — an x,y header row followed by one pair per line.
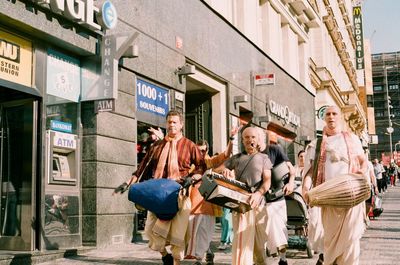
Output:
x,y
63,76
15,59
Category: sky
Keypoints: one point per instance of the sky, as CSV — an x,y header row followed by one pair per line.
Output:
x,y
381,24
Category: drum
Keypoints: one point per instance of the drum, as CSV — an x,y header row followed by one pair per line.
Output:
x,y
279,178
344,191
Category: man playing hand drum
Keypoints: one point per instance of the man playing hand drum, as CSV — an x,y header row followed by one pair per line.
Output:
x,y
340,153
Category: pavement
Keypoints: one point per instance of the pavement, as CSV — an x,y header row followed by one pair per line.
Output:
x,y
378,245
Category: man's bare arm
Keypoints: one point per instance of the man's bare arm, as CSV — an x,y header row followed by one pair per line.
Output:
x,y
307,183
289,187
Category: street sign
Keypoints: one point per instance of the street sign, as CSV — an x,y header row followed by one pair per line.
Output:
x,y
264,79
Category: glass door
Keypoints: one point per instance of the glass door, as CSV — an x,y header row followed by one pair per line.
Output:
x,y
17,173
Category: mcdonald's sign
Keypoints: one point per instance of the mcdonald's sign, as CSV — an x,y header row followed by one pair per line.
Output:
x,y
358,34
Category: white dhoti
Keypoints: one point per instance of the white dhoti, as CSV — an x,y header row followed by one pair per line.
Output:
x,y
315,230
249,238
173,232
343,229
277,234
201,229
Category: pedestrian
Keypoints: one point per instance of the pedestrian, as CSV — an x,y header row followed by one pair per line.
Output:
x,y
339,153
315,230
392,174
202,215
298,171
374,186
385,177
226,229
170,158
254,169
378,172
277,232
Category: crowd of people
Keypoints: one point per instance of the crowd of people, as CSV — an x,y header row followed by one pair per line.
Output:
x,y
333,232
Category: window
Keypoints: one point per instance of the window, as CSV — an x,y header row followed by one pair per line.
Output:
x,y
394,87
379,105
379,113
378,88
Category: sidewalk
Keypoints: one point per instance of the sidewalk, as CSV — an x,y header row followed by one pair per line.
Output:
x,y
378,246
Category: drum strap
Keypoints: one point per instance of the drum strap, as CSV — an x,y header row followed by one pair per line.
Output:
x,y
316,161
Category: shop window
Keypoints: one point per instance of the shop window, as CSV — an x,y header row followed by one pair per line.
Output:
x,y
62,117
144,139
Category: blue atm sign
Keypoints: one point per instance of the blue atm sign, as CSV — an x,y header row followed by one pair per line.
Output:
x,y
152,98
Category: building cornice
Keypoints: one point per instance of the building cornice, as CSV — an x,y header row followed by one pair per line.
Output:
x,y
337,39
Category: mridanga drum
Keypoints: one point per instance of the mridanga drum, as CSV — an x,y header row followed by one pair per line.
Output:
x,y
344,191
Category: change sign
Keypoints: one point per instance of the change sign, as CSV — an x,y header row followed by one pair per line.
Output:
x,y
151,98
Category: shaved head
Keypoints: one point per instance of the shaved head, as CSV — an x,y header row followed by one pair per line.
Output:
x,y
332,117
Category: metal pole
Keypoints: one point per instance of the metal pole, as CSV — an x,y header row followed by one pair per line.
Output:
x,y
390,131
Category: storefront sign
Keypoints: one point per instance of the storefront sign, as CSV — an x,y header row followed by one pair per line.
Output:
x,y
152,98
84,12
104,105
284,113
108,15
109,67
358,34
63,76
15,59
321,112
64,140
61,126
102,84
264,79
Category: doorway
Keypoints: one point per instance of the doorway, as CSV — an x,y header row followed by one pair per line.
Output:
x,y
18,141
205,110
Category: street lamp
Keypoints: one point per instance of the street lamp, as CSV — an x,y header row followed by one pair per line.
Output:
x,y
395,146
390,128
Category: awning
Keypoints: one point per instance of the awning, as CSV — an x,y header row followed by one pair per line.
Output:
x,y
281,131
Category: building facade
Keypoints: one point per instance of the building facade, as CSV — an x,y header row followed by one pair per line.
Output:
x,y
386,102
76,144
316,43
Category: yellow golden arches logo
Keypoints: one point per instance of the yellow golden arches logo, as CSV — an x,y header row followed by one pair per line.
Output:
x,y
357,11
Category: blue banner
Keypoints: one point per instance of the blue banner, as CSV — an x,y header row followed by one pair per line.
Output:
x,y
61,126
152,98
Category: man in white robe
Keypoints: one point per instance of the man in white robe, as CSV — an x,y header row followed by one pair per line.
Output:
x,y
341,153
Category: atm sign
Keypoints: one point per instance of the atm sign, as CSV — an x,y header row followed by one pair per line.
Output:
x,y
64,140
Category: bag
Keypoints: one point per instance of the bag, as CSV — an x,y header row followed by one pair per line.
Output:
x,y
377,210
159,196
